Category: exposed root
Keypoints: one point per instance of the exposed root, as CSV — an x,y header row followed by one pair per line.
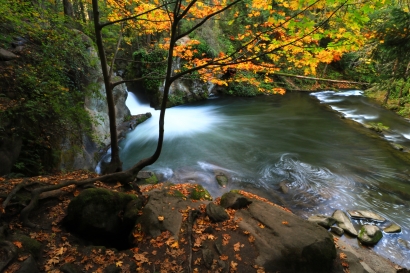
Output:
x,y
11,253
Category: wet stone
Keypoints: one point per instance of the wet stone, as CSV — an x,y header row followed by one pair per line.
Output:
x,y
392,228
404,243
337,230
370,235
343,221
366,214
322,220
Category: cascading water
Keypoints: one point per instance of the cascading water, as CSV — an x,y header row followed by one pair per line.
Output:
x,y
326,162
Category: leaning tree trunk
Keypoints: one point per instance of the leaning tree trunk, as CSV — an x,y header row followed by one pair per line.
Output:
x,y
115,165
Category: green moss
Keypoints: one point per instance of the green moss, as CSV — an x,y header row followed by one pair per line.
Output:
x,y
105,202
29,245
176,193
141,119
153,179
199,193
222,180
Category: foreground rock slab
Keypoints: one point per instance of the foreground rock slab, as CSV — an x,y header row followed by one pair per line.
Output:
x,y
285,242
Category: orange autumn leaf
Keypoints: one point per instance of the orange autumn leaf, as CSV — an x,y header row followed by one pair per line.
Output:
x,y
223,257
18,244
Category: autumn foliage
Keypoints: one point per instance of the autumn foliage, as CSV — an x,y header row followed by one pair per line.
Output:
x,y
260,37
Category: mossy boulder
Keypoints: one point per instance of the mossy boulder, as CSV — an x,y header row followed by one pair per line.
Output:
x,y
103,216
200,193
222,180
147,177
370,235
234,200
29,245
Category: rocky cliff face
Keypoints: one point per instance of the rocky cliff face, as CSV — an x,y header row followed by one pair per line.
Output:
x,y
84,154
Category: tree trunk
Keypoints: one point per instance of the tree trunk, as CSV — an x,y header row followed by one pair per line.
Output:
x,y
82,11
115,165
386,98
68,8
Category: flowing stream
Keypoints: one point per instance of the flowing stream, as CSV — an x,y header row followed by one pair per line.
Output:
x,y
298,139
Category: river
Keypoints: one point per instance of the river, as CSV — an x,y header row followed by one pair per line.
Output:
x,y
300,139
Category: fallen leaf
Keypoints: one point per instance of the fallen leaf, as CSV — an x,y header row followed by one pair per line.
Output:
x,y
237,246
118,264
175,245
160,218
18,244
233,265
285,223
251,239
343,256
223,257
261,225
197,261
55,229
69,259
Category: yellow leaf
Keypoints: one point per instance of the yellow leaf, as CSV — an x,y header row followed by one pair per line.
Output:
x,y
118,264
175,245
160,218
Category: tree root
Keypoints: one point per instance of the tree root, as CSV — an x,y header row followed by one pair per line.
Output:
x,y
11,253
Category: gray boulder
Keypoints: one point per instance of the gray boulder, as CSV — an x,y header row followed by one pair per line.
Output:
x,y
161,213
285,242
234,200
343,221
322,220
6,55
216,213
370,235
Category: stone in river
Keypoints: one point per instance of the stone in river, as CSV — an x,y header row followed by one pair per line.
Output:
x,y
392,228
343,221
404,243
322,220
337,230
370,234
365,214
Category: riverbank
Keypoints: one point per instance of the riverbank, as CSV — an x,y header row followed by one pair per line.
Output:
x,y
200,241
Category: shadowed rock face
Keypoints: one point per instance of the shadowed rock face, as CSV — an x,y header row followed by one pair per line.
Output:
x,y
103,217
287,243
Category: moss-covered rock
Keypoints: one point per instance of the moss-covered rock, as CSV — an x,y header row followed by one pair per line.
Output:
x,y
29,245
102,216
234,200
147,177
370,235
222,180
200,193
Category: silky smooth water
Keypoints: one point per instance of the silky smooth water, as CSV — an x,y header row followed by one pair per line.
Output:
x,y
327,162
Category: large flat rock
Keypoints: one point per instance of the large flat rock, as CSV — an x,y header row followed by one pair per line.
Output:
x,y
286,242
